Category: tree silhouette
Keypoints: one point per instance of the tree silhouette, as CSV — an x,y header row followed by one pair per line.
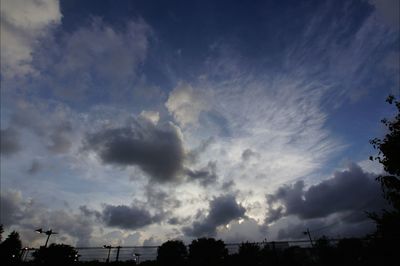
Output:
x,y
388,224
172,252
350,251
389,157
323,250
1,232
56,254
207,251
249,254
10,249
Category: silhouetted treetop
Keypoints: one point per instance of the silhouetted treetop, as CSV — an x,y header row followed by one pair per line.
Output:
x,y
207,251
10,248
389,156
172,252
56,254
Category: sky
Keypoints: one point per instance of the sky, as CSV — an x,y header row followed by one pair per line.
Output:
x,y
135,122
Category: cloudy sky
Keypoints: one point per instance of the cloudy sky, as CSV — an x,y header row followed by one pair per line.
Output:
x,y
140,121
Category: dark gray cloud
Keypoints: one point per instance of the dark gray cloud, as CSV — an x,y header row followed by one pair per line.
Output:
x,y
248,153
222,210
178,220
206,175
194,154
89,213
162,200
11,208
158,151
9,143
59,138
228,185
55,130
336,227
174,221
352,190
35,167
127,217
29,117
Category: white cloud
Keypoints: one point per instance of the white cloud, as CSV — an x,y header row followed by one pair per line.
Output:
x,y
152,116
238,231
22,24
186,104
371,167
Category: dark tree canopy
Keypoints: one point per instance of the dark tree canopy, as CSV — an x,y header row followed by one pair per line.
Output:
x,y
249,253
1,232
56,254
207,251
389,156
10,248
172,252
388,224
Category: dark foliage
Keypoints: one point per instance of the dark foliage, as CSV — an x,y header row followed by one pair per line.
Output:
x,y
388,223
172,252
207,251
1,232
249,254
10,249
389,156
149,263
323,250
56,254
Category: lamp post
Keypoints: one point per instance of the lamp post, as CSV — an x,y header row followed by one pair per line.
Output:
x,y
48,233
137,257
109,250
24,253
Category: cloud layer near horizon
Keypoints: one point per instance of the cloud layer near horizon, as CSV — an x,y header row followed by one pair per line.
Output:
x,y
352,191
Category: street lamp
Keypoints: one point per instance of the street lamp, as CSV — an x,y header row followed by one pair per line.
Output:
x,y
48,233
25,252
137,257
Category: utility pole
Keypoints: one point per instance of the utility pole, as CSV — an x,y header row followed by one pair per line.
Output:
x,y
48,233
309,236
118,248
109,251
